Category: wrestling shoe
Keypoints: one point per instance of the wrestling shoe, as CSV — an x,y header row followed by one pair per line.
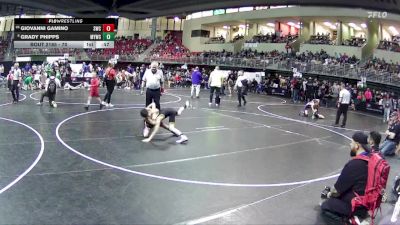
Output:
x,y
182,140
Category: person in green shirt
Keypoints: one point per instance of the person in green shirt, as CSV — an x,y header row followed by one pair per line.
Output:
x,y
49,70
28,82
58,74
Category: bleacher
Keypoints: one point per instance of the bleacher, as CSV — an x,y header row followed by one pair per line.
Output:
x,y
320,39
272,38
124,47
355,41
216,40
171,47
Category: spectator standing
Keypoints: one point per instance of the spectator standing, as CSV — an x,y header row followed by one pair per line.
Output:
x,y
215,82
196,83
368,95
387,105
241,87
110,76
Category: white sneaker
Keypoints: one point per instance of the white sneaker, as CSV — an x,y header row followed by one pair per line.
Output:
x,y
187,104
104,103
146,132
110,105
366,221
182,140
209,104
216,105
39,103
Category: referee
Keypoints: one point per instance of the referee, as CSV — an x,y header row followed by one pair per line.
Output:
x,y
153,81
15,83
343,105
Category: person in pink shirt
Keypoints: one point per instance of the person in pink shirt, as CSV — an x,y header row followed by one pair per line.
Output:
x,y
368,95
94,91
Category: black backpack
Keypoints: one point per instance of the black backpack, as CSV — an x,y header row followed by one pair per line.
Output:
x,y
52,86
245,84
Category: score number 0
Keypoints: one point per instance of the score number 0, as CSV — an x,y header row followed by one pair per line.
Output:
x,y
108,27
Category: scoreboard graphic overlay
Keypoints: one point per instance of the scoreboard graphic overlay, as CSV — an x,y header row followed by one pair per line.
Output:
x,y
93,33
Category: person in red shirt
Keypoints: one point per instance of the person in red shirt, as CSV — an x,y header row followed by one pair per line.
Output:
x,y
94,91
109,79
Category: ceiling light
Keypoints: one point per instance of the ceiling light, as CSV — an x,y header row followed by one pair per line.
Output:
x,y
353,25
363,25
291,24
271,24
393,30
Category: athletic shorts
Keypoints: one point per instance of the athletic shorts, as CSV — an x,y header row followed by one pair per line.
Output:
x,y
94,92
169,113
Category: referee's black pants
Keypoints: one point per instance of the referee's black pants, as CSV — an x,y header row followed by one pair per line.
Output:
x,y
342,110
241,93
153,95
15,90
217,93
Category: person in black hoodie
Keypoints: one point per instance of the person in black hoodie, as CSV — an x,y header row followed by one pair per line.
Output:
x,y
352,180
309,90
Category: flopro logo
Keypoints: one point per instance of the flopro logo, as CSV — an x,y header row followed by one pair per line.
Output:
x,y
377,14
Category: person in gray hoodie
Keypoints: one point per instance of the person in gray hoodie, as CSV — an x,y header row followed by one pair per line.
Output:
x,y
387,106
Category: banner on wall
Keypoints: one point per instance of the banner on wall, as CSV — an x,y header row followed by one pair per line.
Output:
x,y
225,73
51,59
76,70
278,91
250,45
254,75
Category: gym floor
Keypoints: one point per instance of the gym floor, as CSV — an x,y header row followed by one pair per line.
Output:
x,y
258,164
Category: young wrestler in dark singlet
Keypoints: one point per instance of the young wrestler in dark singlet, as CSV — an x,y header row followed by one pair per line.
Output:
x,y
154,120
